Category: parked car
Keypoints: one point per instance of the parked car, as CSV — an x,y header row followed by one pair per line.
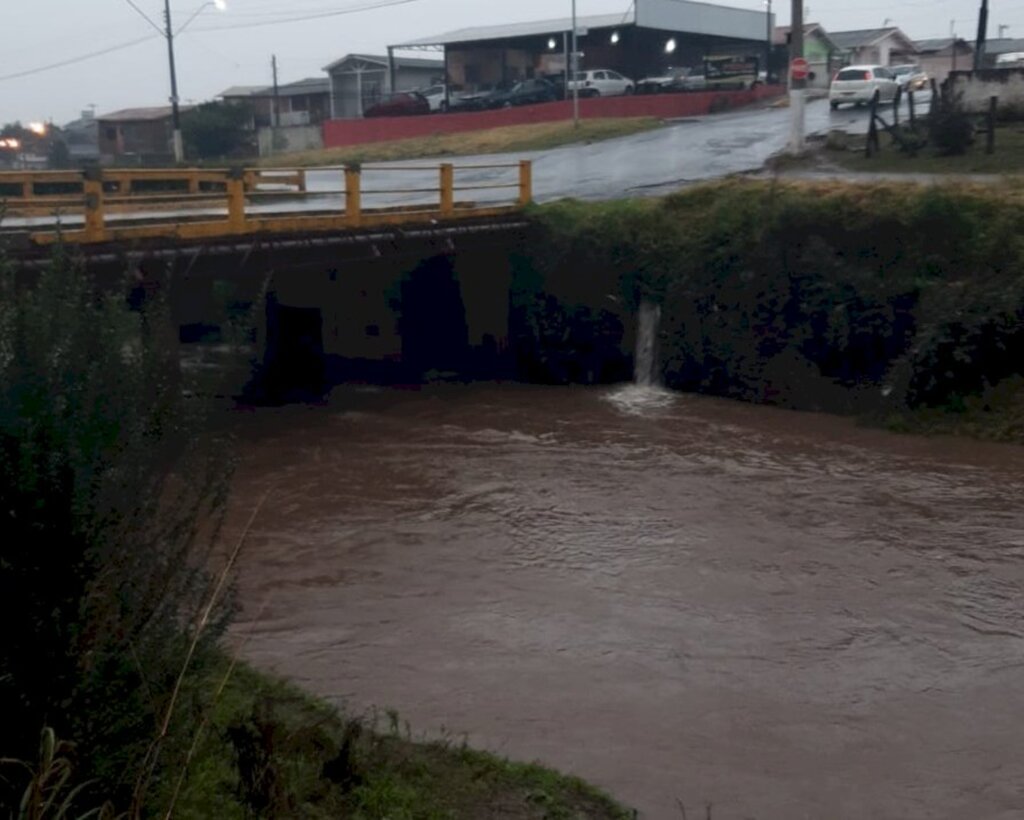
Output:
x,y
404,104
857,84
910,77
478,99
437,98
601,82
673,80
526,92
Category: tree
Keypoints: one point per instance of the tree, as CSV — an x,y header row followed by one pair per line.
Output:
x,y
217,130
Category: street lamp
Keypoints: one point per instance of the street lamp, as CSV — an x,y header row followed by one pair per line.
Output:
x,y
168,33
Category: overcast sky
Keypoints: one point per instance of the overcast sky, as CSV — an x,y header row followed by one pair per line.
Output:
x,y
233,47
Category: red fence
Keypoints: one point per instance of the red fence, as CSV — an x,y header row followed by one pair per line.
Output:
x,y
339,133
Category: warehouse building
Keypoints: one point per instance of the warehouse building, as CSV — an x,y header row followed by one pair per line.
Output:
x,y
653,36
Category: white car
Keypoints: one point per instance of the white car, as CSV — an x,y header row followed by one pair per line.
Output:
x,y
910,77
601,82
857,84
435,96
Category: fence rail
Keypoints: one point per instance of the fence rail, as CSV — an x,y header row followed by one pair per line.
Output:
x,y
102,206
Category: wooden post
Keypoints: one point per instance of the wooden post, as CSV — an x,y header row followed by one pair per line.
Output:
x,y
447,188
910,107
193,181
28,188
236,200
896,107
525,182
990,137
353,195
872,143
301,184
92,187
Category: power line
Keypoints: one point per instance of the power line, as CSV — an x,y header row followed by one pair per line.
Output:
x,y
312,16
79,59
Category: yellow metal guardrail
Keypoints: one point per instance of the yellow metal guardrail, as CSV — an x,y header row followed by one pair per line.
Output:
x,y
101,206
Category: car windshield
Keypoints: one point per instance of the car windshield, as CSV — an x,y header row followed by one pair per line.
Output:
x,y
900,70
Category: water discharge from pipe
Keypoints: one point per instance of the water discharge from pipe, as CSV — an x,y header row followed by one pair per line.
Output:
x,y
645,396
645,365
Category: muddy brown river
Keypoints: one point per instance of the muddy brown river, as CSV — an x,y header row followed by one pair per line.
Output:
x,y
684,600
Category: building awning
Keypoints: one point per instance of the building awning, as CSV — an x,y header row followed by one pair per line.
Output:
x,y
513,30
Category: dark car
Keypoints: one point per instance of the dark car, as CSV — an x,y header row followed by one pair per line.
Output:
x,y
476,100
673,80
527,92
399,105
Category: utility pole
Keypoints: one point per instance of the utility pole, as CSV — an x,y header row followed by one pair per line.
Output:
x,y
768,42
179,147
575,72
277,98
979,47
796,86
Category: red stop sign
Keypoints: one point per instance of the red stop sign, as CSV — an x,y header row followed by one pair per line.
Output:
x,y
798,68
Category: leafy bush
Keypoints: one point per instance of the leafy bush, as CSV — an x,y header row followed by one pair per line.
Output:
x,y
101,554
845,298
950,128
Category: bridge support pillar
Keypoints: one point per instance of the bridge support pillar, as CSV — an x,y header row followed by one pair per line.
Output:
x,y
353,196
447,188
236,202
92,187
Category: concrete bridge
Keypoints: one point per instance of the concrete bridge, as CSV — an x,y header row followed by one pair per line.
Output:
x,y
379,281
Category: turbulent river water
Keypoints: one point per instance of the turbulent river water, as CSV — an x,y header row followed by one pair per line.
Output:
x,y
684,600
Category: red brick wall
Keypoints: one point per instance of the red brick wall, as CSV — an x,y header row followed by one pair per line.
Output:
x,y
338,133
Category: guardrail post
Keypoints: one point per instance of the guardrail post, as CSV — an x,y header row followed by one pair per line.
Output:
x,y
193,182
301,180
447,188
236,200
353,195
92,188
28,188
525,182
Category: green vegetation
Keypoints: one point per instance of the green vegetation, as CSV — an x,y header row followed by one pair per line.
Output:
x,y
217,131
272,751
538,137
900,303
116,698
1007,159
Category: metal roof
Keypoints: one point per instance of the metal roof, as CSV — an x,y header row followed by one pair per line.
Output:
x,y
780,33
400,62
1004,45
241,91
512,30
941,44
866,37
141,114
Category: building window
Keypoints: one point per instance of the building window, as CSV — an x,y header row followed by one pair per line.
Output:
x,y
110,133
472,73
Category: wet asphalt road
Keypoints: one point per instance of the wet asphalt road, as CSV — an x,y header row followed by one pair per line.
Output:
x,y
651,163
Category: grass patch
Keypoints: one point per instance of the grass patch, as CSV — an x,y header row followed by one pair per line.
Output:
x,y
272,751
1008,156
535,137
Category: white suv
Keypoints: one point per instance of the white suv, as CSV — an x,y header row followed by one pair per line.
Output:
x,y
857,84
602,82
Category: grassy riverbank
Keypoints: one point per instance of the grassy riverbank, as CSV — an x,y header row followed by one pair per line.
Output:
x,y
515,138
900,304
273,751
1008,157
